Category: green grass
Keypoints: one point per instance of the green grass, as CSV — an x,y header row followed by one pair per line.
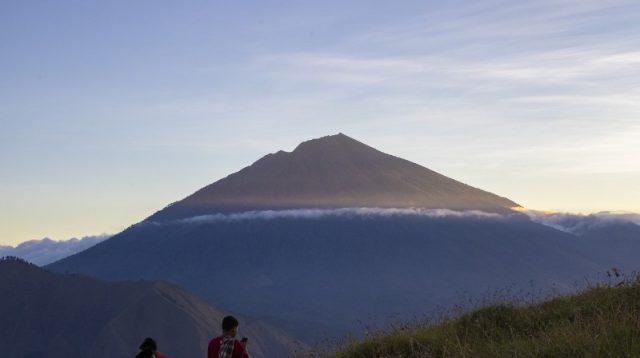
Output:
x,y
599,322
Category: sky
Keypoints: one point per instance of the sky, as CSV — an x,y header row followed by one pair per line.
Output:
x,y
110,110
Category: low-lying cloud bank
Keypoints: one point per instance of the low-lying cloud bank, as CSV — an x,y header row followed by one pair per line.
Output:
x,y
578,224
341,212
45,251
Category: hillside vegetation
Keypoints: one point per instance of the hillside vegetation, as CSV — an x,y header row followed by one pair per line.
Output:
x,y
602,321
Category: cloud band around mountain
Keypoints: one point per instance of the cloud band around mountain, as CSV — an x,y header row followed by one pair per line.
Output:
x,y
578,224
575,224
325,213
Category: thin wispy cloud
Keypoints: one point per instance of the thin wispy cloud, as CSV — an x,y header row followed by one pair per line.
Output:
x,y
579,224
482,86
498,69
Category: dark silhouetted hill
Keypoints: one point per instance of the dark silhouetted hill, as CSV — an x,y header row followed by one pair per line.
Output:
x,y
43,314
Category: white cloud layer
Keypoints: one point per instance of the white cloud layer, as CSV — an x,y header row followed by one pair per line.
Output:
x,y
578,224
341,212
45,251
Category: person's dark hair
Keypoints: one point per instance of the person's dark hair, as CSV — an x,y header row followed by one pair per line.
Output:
x,y
149,344
229,323
146,353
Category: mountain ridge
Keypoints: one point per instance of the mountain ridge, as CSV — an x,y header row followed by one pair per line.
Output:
x,y
45,314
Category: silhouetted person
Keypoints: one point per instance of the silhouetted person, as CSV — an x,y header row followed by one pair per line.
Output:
x,y
226,345
149,349
145,353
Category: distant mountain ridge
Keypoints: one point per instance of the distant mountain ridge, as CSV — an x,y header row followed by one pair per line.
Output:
x,y
45,251
332,172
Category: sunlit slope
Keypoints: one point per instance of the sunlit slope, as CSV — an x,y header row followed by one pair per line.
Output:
x,y
334,171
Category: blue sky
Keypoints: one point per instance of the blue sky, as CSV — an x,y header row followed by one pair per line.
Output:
x,y
109,110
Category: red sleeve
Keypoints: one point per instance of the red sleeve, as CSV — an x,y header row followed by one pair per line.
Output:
x,y
214,348
238,350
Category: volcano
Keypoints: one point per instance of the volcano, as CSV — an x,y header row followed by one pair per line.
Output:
x,y
337,237
333,172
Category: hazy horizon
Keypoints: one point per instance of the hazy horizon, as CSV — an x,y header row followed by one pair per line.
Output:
x,y
112,111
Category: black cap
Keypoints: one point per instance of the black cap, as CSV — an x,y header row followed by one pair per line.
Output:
x,y
229,323
149,344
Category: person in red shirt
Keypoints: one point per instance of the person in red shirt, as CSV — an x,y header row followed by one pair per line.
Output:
x,y
226,345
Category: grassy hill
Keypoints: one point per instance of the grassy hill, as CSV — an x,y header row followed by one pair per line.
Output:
x,y
600,322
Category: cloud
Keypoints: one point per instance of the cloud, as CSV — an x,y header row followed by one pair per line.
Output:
x,y
579,224
341,212
494,69
45,251
576,224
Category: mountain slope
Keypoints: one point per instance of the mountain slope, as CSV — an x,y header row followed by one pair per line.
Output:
x,y
617,245
50,315
329,172
319,277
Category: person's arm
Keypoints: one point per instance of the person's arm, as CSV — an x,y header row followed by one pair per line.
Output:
x,y
239,351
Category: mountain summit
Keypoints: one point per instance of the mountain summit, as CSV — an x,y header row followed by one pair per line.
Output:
x,y
333,172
